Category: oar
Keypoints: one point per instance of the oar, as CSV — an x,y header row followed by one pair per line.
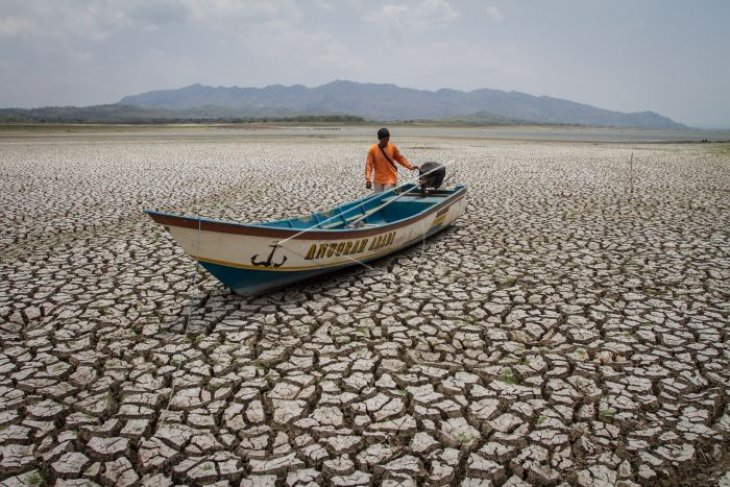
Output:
x,y
309,229
340,215
377,209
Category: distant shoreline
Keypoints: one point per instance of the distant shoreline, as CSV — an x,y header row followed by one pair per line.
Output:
x,y
403,131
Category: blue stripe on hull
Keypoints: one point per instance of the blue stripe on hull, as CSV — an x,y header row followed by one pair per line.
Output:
x,y
247,282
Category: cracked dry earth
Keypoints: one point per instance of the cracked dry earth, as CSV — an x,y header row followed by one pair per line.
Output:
x,y
565,331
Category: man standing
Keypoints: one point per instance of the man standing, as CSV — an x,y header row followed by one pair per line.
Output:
x,y
380,167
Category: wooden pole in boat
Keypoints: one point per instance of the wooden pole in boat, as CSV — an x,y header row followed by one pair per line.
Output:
x,y
319,224
316,225
377,209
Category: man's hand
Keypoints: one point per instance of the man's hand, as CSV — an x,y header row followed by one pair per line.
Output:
x,y
368,184
415,168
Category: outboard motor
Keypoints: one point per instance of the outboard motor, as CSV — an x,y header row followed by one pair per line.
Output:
x,y
431,176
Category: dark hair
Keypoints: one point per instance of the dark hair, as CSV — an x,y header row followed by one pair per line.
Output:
x,y
382,133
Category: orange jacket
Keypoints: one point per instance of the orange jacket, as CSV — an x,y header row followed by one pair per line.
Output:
x,y
385,173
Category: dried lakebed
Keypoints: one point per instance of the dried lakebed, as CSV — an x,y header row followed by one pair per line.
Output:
x,y
570,329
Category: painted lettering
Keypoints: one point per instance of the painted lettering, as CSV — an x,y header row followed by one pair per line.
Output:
x,y
312,250
322,251
349,247
376,243
332,248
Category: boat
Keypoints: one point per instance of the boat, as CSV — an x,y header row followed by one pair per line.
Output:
x,y
251,258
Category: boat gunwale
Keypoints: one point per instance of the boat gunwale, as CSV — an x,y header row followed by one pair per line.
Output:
x,y
254,230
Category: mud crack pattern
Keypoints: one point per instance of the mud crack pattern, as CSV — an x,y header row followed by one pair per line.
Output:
x,y
570,329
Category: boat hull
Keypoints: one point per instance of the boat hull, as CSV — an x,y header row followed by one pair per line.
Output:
x,y
251,259
250,282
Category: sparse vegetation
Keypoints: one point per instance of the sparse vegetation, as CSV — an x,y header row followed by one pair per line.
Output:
x,y
606,413
506,375
35,478
466,439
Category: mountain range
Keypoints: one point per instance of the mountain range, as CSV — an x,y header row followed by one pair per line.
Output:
x,y
368,101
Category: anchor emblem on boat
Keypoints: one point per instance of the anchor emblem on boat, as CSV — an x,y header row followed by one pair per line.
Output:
x,y
270,261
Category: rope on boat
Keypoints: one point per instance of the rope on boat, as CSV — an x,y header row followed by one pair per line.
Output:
x,y
378,208
316,225
354,260
319,224
195,275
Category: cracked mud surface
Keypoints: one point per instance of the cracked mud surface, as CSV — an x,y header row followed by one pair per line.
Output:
x,y
565,331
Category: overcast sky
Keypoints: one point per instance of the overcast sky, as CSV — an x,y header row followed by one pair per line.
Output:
x,y
668,56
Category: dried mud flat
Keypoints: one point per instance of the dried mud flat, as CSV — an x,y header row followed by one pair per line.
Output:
x,y
570,329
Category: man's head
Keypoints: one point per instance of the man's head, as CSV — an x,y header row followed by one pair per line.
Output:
x,y
383,136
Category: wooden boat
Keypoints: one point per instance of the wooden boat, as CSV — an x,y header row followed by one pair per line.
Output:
x,y
251,258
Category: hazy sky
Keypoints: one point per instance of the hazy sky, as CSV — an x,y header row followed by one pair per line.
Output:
x,y
668,56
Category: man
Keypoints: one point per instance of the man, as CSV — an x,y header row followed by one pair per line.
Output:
x,y
381,173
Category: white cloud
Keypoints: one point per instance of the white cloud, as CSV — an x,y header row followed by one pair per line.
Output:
x,y
237,11
159,13
421,16
11,26
289,52
62,19
324,4
100,19
459,64
493,13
